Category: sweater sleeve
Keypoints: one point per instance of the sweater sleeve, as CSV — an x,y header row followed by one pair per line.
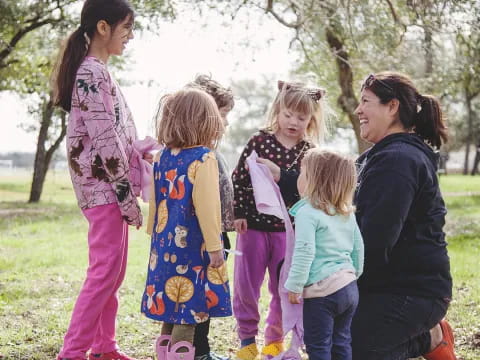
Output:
x,y
383,201
95,96
241,181
151,210
358,251
206,200
303,253
152,203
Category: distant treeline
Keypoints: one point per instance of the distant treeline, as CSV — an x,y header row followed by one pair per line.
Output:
x,y
26,159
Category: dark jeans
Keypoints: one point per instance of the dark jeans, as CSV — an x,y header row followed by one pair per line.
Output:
x,y
327,320
394,327
200,340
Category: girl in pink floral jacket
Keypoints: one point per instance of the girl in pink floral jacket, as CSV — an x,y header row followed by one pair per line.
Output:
x,y
104,167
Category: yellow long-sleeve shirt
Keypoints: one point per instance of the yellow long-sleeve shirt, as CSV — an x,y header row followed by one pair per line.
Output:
x,y
206,200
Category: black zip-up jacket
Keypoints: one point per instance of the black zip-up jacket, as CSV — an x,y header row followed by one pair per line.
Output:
x,y
401,214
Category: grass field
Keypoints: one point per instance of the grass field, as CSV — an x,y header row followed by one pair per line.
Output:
x,y
43,258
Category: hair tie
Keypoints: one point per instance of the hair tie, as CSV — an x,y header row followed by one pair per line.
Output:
x,y
87,40
420,99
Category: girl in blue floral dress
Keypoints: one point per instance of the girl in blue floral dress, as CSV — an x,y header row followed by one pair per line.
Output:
x,y
187,281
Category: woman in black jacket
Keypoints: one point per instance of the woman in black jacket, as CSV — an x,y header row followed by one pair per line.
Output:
x,y
406,285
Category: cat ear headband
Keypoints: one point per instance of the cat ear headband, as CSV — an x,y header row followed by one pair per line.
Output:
x,y
315,93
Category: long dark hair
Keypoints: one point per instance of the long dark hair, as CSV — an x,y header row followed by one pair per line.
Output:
x,y
111,11
420,113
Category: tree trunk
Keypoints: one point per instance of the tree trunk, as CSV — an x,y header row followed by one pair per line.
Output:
x,y
469,132
476,162
347,100
43,156
428,43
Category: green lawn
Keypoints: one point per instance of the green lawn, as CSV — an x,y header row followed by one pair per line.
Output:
x,y
43,258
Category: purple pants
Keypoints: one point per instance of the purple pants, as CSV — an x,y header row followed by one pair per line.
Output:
x,y
93,318
261,251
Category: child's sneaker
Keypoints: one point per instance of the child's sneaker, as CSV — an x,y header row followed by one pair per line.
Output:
x,y
211,356
112,355
273,349
215,356
248,352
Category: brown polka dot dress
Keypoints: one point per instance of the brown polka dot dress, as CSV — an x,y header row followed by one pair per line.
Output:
x,y
267,146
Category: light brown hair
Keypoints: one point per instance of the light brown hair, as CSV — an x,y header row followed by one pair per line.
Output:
x,y
187,118
299,98
223,96
331,179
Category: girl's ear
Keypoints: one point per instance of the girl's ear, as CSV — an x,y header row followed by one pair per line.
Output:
x,y
103,28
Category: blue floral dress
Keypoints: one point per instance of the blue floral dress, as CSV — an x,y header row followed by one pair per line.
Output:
x,y
181,287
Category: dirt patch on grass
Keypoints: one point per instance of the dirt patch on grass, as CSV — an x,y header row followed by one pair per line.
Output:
x,y
22,211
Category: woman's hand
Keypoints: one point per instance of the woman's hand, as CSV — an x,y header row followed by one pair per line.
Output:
x,y
274,168
216,258
294,298
148,157
240,225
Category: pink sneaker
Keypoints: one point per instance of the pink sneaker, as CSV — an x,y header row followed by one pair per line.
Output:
x,y
112,355
161,346
173,353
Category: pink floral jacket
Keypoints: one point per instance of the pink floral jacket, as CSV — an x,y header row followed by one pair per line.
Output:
x,y
100,137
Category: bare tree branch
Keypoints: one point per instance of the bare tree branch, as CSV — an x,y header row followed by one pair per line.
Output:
x,y
295,25
19,35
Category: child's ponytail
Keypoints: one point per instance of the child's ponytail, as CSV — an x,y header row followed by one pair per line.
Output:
x,y
93,11
66,70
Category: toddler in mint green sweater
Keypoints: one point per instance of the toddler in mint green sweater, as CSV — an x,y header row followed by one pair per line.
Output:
x,y
328,254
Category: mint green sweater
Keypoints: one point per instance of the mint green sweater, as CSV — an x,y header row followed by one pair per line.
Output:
x,y
324,244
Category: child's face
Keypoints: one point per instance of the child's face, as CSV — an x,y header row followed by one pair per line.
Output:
x,y
224,113
302,181
292,124
122,33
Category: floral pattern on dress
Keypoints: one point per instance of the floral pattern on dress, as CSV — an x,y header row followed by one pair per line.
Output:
x,y
226,193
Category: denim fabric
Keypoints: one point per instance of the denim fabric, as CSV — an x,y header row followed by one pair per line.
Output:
x,y
327,320
394,327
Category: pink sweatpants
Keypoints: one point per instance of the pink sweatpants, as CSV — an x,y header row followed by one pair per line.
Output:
x,y
93,319
261,251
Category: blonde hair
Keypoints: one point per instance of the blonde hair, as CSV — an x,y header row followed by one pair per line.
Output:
x,y
331,179
187,118
309,101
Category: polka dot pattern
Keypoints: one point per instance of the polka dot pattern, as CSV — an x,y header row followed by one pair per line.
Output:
x,y
267,146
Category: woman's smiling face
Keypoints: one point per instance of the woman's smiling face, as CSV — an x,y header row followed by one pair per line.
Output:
x,y
377,120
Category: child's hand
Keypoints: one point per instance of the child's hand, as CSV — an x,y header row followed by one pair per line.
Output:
x,y
240,225
294,298
216,258
148,157
274,168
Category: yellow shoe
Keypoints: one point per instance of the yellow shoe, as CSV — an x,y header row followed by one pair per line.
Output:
x,y
248,352
273,349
